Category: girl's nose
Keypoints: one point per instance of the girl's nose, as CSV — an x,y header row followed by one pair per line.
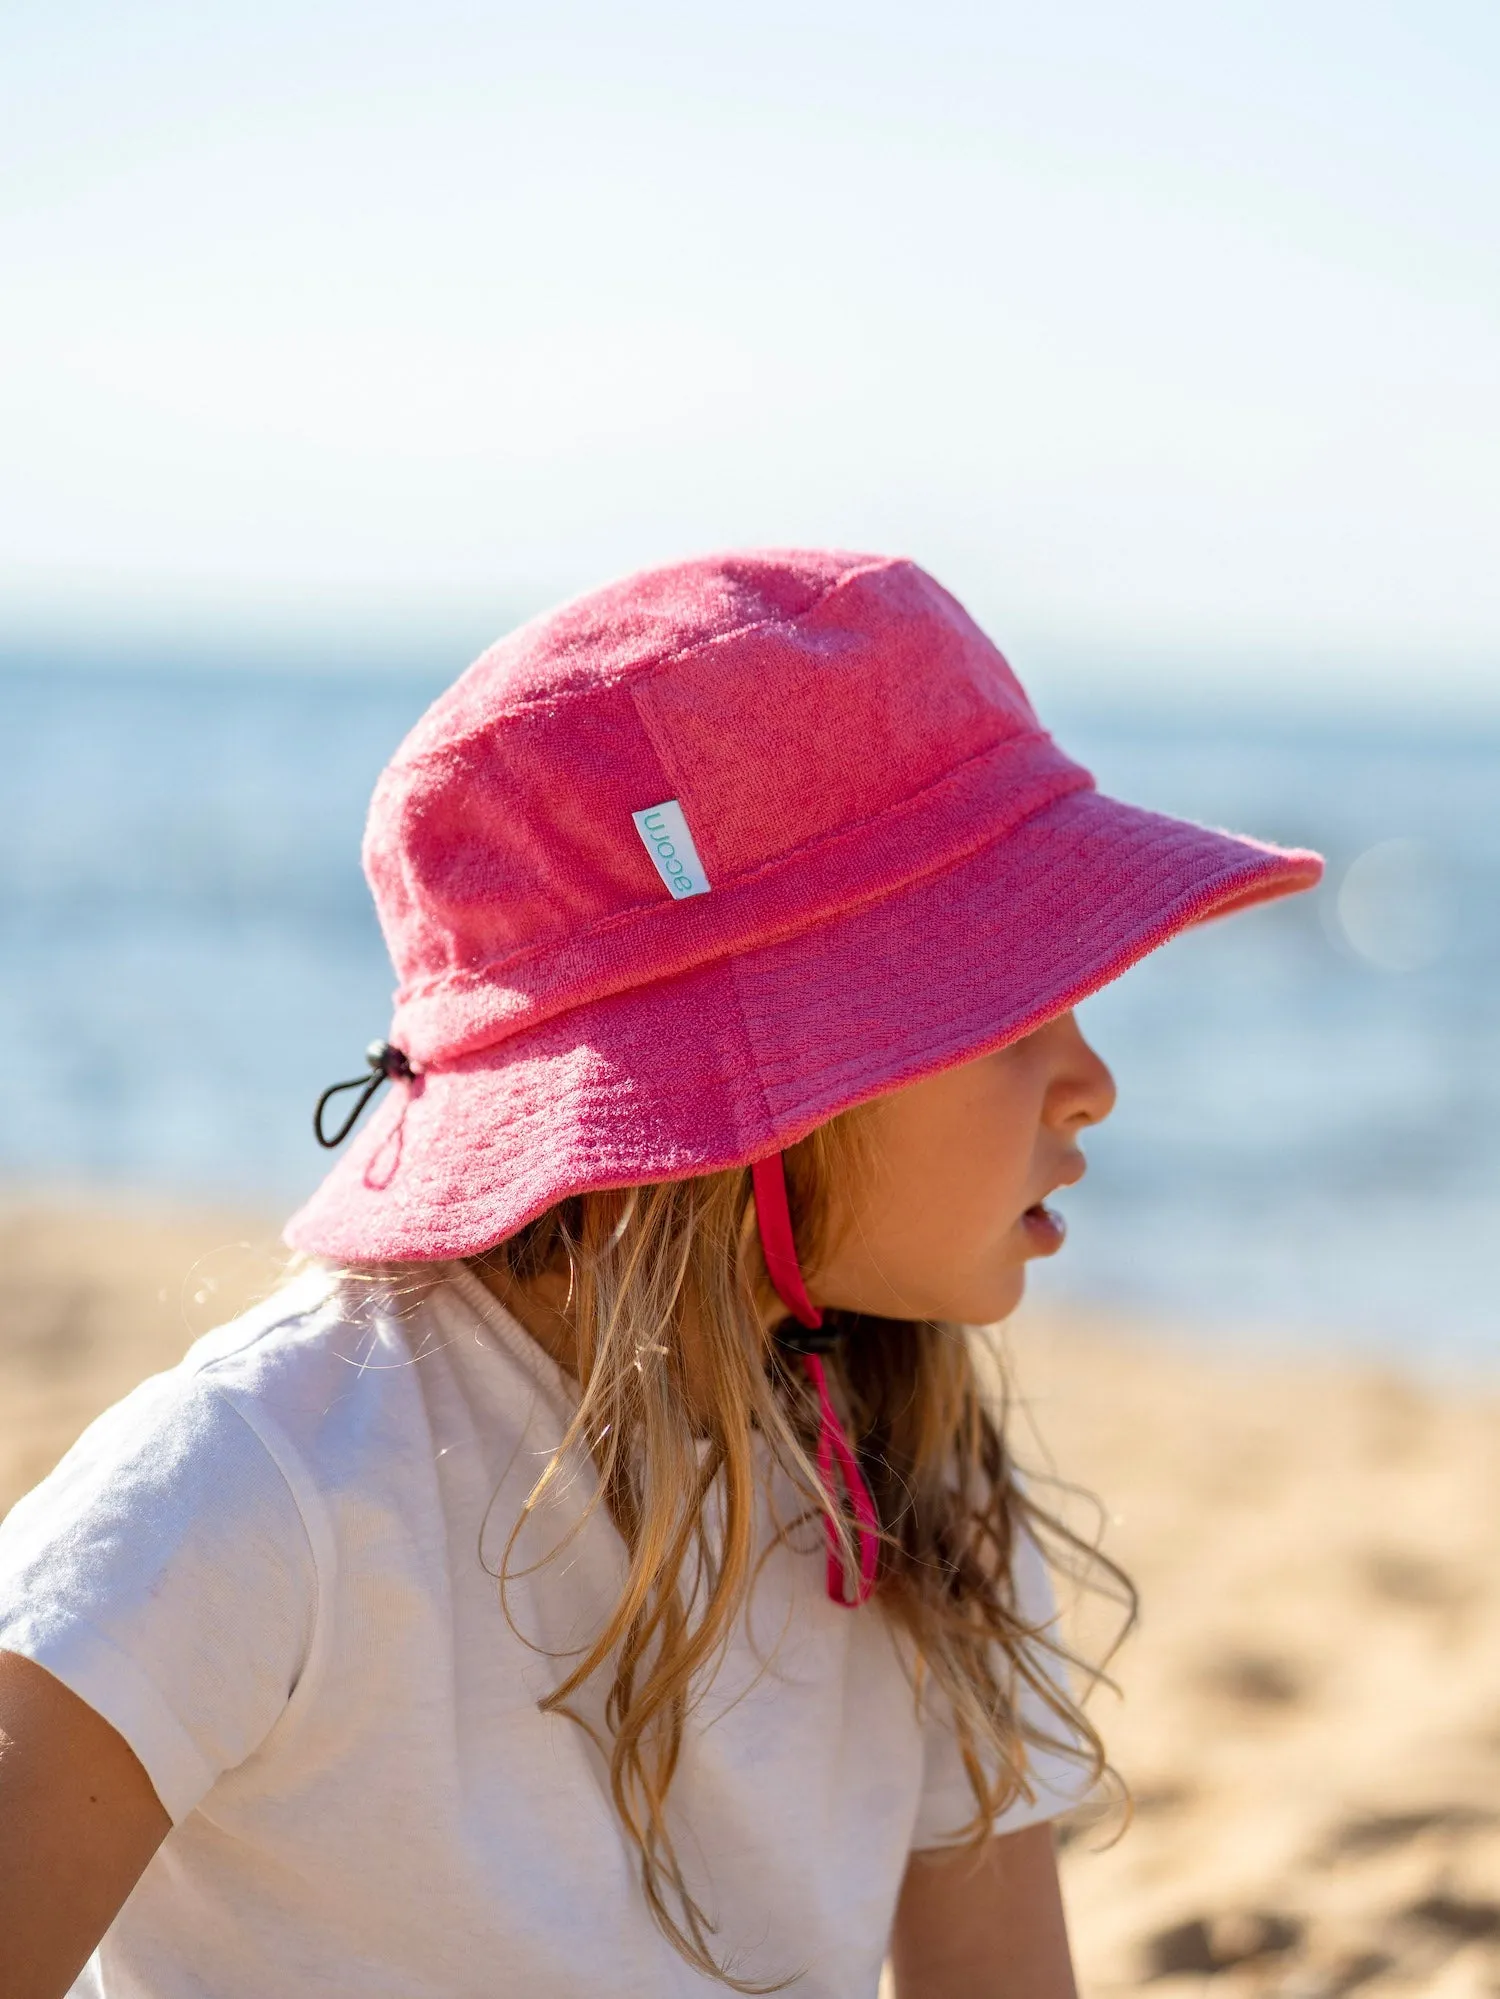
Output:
x,y
1083,1090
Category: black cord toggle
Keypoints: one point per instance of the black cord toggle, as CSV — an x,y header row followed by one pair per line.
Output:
x,y
809,1339
386,1061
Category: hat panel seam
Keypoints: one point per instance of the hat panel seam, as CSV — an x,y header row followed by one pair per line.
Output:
x,y
752,1048
669,749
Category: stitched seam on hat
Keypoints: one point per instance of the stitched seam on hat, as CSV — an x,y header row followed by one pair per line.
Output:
x,y
641,669
840,582
461,978
751,1045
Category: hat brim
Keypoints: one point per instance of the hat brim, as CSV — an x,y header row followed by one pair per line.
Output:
x,y
723,1064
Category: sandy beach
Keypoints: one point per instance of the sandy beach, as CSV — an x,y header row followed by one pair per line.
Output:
x,y
1308,1715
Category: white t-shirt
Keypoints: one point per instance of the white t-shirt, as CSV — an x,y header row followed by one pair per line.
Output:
x,y
269,1569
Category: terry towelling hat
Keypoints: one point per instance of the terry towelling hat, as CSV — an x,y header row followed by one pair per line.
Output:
x,y
683,869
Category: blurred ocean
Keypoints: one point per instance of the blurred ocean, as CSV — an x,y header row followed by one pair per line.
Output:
x,y
1308,1137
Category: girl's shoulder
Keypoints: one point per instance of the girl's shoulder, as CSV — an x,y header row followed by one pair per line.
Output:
x,y
339,1368
311,1325
334,1383
176,1568
328,1328
167,1569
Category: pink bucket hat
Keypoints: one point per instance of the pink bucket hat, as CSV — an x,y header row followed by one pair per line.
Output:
x,y
683,869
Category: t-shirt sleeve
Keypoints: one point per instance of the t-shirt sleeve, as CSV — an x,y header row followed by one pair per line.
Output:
x,y
164,1574
1058,1780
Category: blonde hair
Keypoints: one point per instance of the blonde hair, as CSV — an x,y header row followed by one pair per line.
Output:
x,y
666,1431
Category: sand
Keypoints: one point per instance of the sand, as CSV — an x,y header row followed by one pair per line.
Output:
x,y
1310,1709
1308,1714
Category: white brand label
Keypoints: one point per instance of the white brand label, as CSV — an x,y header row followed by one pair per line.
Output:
x,y
670,845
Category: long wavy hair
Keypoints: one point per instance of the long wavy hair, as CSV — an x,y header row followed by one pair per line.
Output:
x,y
678,1427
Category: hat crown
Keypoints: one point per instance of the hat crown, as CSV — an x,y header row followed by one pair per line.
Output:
x,y
790,703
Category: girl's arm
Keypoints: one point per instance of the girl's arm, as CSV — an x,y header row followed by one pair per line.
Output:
x,y
78,1822
983,1925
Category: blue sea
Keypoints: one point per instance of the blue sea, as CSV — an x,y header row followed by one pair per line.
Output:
x,y
1307,1143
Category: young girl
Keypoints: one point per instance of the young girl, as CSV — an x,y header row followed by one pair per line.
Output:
x,y
599,1570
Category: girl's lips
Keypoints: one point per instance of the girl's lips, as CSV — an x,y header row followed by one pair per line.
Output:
x,y
1045,1229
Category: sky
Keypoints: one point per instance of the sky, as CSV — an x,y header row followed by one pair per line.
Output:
x,y
1166,335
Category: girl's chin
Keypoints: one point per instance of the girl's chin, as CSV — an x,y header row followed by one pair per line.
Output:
x,y
990,1302
1013,1291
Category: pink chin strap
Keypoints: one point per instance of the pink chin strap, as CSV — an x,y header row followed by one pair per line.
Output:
x,y
768,1176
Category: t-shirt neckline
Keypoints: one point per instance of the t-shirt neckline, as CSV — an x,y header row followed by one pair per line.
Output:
x,y
560,1387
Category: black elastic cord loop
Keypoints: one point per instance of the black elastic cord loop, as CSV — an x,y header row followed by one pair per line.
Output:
x,y
385,1061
